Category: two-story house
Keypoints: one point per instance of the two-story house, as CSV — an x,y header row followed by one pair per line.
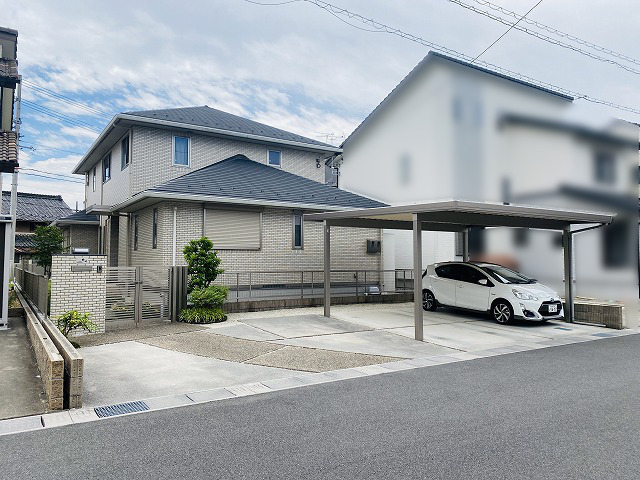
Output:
x,y
158,179
451,129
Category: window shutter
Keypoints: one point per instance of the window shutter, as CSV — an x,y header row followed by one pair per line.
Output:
x,y
232,230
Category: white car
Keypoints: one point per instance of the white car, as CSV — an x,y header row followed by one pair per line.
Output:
x,y
487,287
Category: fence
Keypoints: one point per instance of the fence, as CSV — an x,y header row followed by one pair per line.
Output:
x,y
268,285
35,287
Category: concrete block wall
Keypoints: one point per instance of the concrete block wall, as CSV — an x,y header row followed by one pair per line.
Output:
x,y
79,290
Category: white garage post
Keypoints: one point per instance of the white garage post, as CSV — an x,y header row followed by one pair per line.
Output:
x,y
327,268
465,245
567,244
417,276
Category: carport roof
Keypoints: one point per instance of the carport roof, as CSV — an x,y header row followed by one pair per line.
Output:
x,y
457,215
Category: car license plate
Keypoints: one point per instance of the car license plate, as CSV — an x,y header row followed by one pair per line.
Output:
x,y
553,308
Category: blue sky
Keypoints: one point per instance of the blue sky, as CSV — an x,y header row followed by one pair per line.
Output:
x,y
293,66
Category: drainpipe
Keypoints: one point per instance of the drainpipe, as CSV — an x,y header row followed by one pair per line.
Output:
x,y
175,240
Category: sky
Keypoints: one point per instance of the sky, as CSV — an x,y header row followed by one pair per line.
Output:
x,y
294,66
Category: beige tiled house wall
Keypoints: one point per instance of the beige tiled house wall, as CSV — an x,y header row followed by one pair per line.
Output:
x,y
84,236
152,162
82,291
348,245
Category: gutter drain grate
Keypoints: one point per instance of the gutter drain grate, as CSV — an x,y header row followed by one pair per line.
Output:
x,y
121,409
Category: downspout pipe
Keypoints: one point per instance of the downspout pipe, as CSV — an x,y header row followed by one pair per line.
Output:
x,y
175,234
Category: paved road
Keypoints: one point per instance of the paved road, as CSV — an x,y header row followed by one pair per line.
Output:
x,y
565,412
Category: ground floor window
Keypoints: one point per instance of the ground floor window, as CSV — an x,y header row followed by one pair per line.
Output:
x,y
297,230
233,229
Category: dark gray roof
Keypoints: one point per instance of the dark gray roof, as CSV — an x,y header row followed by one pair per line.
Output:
x,y
25,242
78,217
206,116
34,207
240,178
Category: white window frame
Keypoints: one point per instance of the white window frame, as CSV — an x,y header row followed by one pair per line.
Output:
x,y
173,151
104,172
95,180
271,164
293,231
128,142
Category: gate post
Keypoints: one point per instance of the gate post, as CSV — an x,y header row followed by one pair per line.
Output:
x,y
177,291
137,313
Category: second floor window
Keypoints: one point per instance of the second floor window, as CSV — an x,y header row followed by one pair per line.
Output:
x,y
605,167
181,151
94,178
154,241
124,153
106,168
274,158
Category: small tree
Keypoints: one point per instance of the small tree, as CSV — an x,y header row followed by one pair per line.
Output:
x,y
203,262
73,319
49,242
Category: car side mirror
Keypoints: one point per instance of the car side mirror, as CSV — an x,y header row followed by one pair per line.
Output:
x,y
483,281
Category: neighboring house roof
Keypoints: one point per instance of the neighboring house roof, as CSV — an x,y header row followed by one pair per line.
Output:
x,y
240,180
575,129
204,120
434,56
78,218
8,151
34,207
25,243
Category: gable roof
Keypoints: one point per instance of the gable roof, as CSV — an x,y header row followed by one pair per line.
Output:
x,y
35,207
431,57
240,180
80,217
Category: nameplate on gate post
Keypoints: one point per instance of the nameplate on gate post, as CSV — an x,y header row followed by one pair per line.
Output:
x,y
81,268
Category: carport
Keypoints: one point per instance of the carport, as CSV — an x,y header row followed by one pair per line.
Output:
x,y
459,216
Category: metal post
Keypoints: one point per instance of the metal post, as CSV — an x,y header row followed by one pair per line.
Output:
x,y
356,275
327,269
138,297
249,285
302,284
417,277
365,282
312,283
237,287
567,244
465,245
14,204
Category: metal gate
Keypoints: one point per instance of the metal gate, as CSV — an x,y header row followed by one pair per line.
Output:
x,y
137,295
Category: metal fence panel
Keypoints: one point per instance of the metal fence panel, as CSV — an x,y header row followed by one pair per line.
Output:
x,y
121,294
35,287
155,294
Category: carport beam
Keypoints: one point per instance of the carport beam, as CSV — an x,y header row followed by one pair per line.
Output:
x,y
417,276
567,244
327,268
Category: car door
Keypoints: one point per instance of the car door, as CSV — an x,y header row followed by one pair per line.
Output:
x,y
469,292
444,286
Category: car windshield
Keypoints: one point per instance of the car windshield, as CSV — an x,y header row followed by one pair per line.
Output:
x,y
506,275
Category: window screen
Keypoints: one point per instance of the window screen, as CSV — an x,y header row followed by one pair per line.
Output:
x,y
233,229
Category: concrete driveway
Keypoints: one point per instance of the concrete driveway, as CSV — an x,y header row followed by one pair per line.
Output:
x,y
263,346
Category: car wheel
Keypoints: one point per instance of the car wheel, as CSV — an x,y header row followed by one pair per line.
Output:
x,y
429,301
501,311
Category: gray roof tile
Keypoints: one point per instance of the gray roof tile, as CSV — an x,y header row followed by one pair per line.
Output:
x,y
206,116
241,178
34,207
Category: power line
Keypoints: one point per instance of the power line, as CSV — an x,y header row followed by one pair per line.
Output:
x,y
49,173
508,30
53,178
560,33
546,38
62,98
59,116
35,147
461,56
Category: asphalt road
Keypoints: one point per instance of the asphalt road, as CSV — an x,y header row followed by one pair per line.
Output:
x,y
564,412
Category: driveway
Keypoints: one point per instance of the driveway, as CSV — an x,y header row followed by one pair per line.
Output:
x,y
262,346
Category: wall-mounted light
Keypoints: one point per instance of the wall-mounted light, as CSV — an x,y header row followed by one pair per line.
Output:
x,y
317,163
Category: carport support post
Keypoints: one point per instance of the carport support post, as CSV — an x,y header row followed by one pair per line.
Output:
x,y
465,245
567,244
417,276
327,268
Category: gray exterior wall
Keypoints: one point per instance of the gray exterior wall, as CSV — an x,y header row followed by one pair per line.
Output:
x,y
276,252
81,236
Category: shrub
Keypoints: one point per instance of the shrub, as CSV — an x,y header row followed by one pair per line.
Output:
x,y
203,262
73,319
202,315
48,242
211,296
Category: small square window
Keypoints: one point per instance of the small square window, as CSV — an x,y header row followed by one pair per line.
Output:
x,y
106,168
181,151
124,153
274,158
297,230
155,229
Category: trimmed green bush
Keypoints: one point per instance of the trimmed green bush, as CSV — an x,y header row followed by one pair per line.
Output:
x,y
211,296
203,262
202,315
73,319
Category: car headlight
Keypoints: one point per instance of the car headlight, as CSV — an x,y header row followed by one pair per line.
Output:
x,y
523,295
